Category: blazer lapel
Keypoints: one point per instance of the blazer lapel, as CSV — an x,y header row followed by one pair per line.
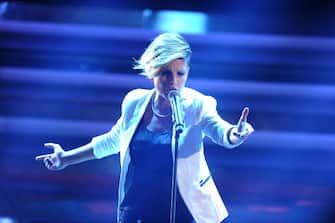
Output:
x,y
137,115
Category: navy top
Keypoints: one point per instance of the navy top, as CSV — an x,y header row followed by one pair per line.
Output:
x,y
148,181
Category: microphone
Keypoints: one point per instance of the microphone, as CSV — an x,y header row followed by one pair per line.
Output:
x,y
177,117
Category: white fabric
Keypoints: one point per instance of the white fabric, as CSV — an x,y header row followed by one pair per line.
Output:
x,y
201,119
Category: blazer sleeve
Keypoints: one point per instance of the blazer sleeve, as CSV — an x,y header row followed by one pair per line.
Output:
x,y
213,126
109,143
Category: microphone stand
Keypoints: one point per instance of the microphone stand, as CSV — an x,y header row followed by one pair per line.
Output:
x,y
178,127
174,145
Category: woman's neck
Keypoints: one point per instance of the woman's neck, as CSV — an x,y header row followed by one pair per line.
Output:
x,y
161,104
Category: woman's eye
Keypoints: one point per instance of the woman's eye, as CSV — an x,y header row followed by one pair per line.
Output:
x,y
166,72
180,73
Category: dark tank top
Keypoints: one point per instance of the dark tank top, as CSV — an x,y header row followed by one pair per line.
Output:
x,y
148,181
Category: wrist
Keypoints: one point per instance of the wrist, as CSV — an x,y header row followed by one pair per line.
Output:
x,y
233,137
65,158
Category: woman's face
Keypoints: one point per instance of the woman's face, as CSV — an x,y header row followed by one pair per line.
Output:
x,y
171,76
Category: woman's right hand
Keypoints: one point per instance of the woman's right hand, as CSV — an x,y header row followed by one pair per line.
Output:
x,y
55,160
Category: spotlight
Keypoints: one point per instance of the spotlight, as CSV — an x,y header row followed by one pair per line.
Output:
x,y
178,21
3,8
6,219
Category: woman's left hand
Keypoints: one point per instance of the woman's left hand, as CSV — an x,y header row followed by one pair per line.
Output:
x,y
242,129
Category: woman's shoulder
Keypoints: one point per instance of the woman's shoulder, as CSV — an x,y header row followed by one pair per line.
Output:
x,y
198,104
194,95
136,95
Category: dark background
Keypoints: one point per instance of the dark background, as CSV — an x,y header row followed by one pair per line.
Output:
x,y
66,65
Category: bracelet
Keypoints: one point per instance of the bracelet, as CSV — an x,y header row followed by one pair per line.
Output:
x,y
228,135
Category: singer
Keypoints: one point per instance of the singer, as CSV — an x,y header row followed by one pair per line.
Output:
x,y
142,137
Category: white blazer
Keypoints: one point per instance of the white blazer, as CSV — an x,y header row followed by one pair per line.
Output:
x,y
194,180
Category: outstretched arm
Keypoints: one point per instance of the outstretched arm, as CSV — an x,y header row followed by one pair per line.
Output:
x,y
60,159
221,131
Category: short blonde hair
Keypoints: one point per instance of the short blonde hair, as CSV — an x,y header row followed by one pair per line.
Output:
x,y
162,50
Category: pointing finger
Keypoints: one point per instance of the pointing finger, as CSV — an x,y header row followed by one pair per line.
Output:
x,y
243,119
245,113
41,157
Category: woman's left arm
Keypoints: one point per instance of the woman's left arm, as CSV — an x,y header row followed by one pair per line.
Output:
x,y
221,131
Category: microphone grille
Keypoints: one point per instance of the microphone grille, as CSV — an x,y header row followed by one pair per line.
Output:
x,y
173,93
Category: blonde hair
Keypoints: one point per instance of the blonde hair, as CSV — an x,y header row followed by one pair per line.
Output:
x,y
162,50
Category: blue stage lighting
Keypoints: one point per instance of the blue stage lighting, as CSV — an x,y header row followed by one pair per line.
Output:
x,y
178,21
3,8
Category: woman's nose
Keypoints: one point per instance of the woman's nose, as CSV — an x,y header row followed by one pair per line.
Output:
x,y
172,79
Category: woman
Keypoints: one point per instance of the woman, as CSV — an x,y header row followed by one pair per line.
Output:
x,y
143,134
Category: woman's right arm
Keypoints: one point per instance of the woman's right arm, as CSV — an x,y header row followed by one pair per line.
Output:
x,y
60,159
100,146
